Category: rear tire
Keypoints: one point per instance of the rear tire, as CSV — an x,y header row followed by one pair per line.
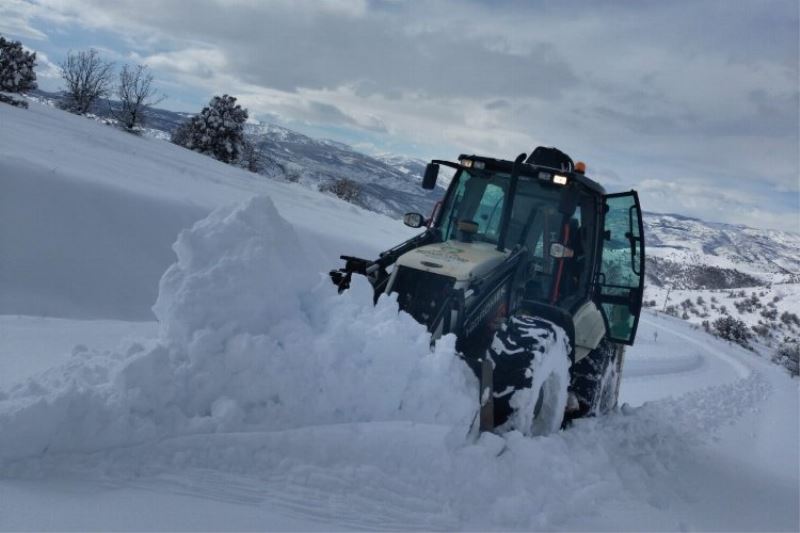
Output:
x,y
596,378
531,375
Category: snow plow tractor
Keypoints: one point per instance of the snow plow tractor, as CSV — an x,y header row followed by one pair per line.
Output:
x,y
537,272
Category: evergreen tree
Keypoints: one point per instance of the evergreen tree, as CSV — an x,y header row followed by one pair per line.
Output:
x,y
16,67
218,130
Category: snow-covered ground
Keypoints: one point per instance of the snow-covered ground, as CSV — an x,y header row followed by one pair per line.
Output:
x,y
261,400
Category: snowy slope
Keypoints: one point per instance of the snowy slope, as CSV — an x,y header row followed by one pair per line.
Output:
x,y
70,187
389,184
266,401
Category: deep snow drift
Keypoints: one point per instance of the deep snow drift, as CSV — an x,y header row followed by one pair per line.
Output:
x,y
252,338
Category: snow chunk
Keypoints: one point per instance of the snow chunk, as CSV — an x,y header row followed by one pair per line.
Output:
x,y
252,338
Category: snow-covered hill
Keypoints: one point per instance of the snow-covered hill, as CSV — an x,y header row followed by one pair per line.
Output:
x,y
71,187
262,400
389,184
744,256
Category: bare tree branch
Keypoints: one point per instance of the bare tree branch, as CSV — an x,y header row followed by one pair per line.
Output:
x,y
136,95
87,78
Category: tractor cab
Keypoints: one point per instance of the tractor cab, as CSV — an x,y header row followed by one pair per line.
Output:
x,y
573,243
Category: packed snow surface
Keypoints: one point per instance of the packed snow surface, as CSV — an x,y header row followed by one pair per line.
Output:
x,y
263,400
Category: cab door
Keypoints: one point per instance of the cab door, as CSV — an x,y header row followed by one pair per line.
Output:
x,y
620,280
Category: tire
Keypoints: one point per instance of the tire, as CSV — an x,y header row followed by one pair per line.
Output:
x,y
531,375
596,378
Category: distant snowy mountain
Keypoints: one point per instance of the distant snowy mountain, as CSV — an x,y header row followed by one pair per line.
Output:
x,y
683,252
689,253
386,186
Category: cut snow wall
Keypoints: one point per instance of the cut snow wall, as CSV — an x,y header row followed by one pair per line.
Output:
x,y
81,250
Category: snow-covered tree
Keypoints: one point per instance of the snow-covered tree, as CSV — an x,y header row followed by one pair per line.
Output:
x,y
17,72
136,94
218,130
788,356
346,189
251,156
16,102
87,77
732,329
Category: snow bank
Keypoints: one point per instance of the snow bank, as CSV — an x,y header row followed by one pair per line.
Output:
x,y
252,338
81,250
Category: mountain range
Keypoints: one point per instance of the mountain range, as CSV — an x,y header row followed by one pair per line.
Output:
x,y
683,252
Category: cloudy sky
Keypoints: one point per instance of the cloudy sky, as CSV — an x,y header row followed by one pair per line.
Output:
x,y
695,104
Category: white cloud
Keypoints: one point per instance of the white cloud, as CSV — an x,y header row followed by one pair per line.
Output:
x,y
15,18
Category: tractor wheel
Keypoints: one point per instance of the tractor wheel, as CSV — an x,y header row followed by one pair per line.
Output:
x,y
531,375
596,379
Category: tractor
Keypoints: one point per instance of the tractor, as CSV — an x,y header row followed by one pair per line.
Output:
x,y
539,274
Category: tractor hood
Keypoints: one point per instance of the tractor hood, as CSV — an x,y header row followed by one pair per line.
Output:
x,y
459,260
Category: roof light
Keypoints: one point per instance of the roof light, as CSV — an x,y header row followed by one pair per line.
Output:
x,y
580,167
545,176
466,163
480,165
559,180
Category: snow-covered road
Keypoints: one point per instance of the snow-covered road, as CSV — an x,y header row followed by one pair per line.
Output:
x,y
714,449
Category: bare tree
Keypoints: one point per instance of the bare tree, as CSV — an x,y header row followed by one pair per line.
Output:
x,y
88,78
136,94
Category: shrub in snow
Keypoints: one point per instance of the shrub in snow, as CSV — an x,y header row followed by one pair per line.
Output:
x,y
17,72
732,329
770,314
790,318
13,101
347,190
136,94
87,78
788,356
761,330
218,130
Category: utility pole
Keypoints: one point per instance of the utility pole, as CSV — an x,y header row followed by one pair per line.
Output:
x,y
666,299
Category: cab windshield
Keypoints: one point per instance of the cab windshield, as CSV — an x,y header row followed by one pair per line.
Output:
x,y
474,211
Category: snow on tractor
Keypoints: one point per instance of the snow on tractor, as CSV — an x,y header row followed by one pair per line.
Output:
x,y
538,273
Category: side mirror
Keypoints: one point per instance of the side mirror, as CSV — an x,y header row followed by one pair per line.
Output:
x,y
413,220
431,173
